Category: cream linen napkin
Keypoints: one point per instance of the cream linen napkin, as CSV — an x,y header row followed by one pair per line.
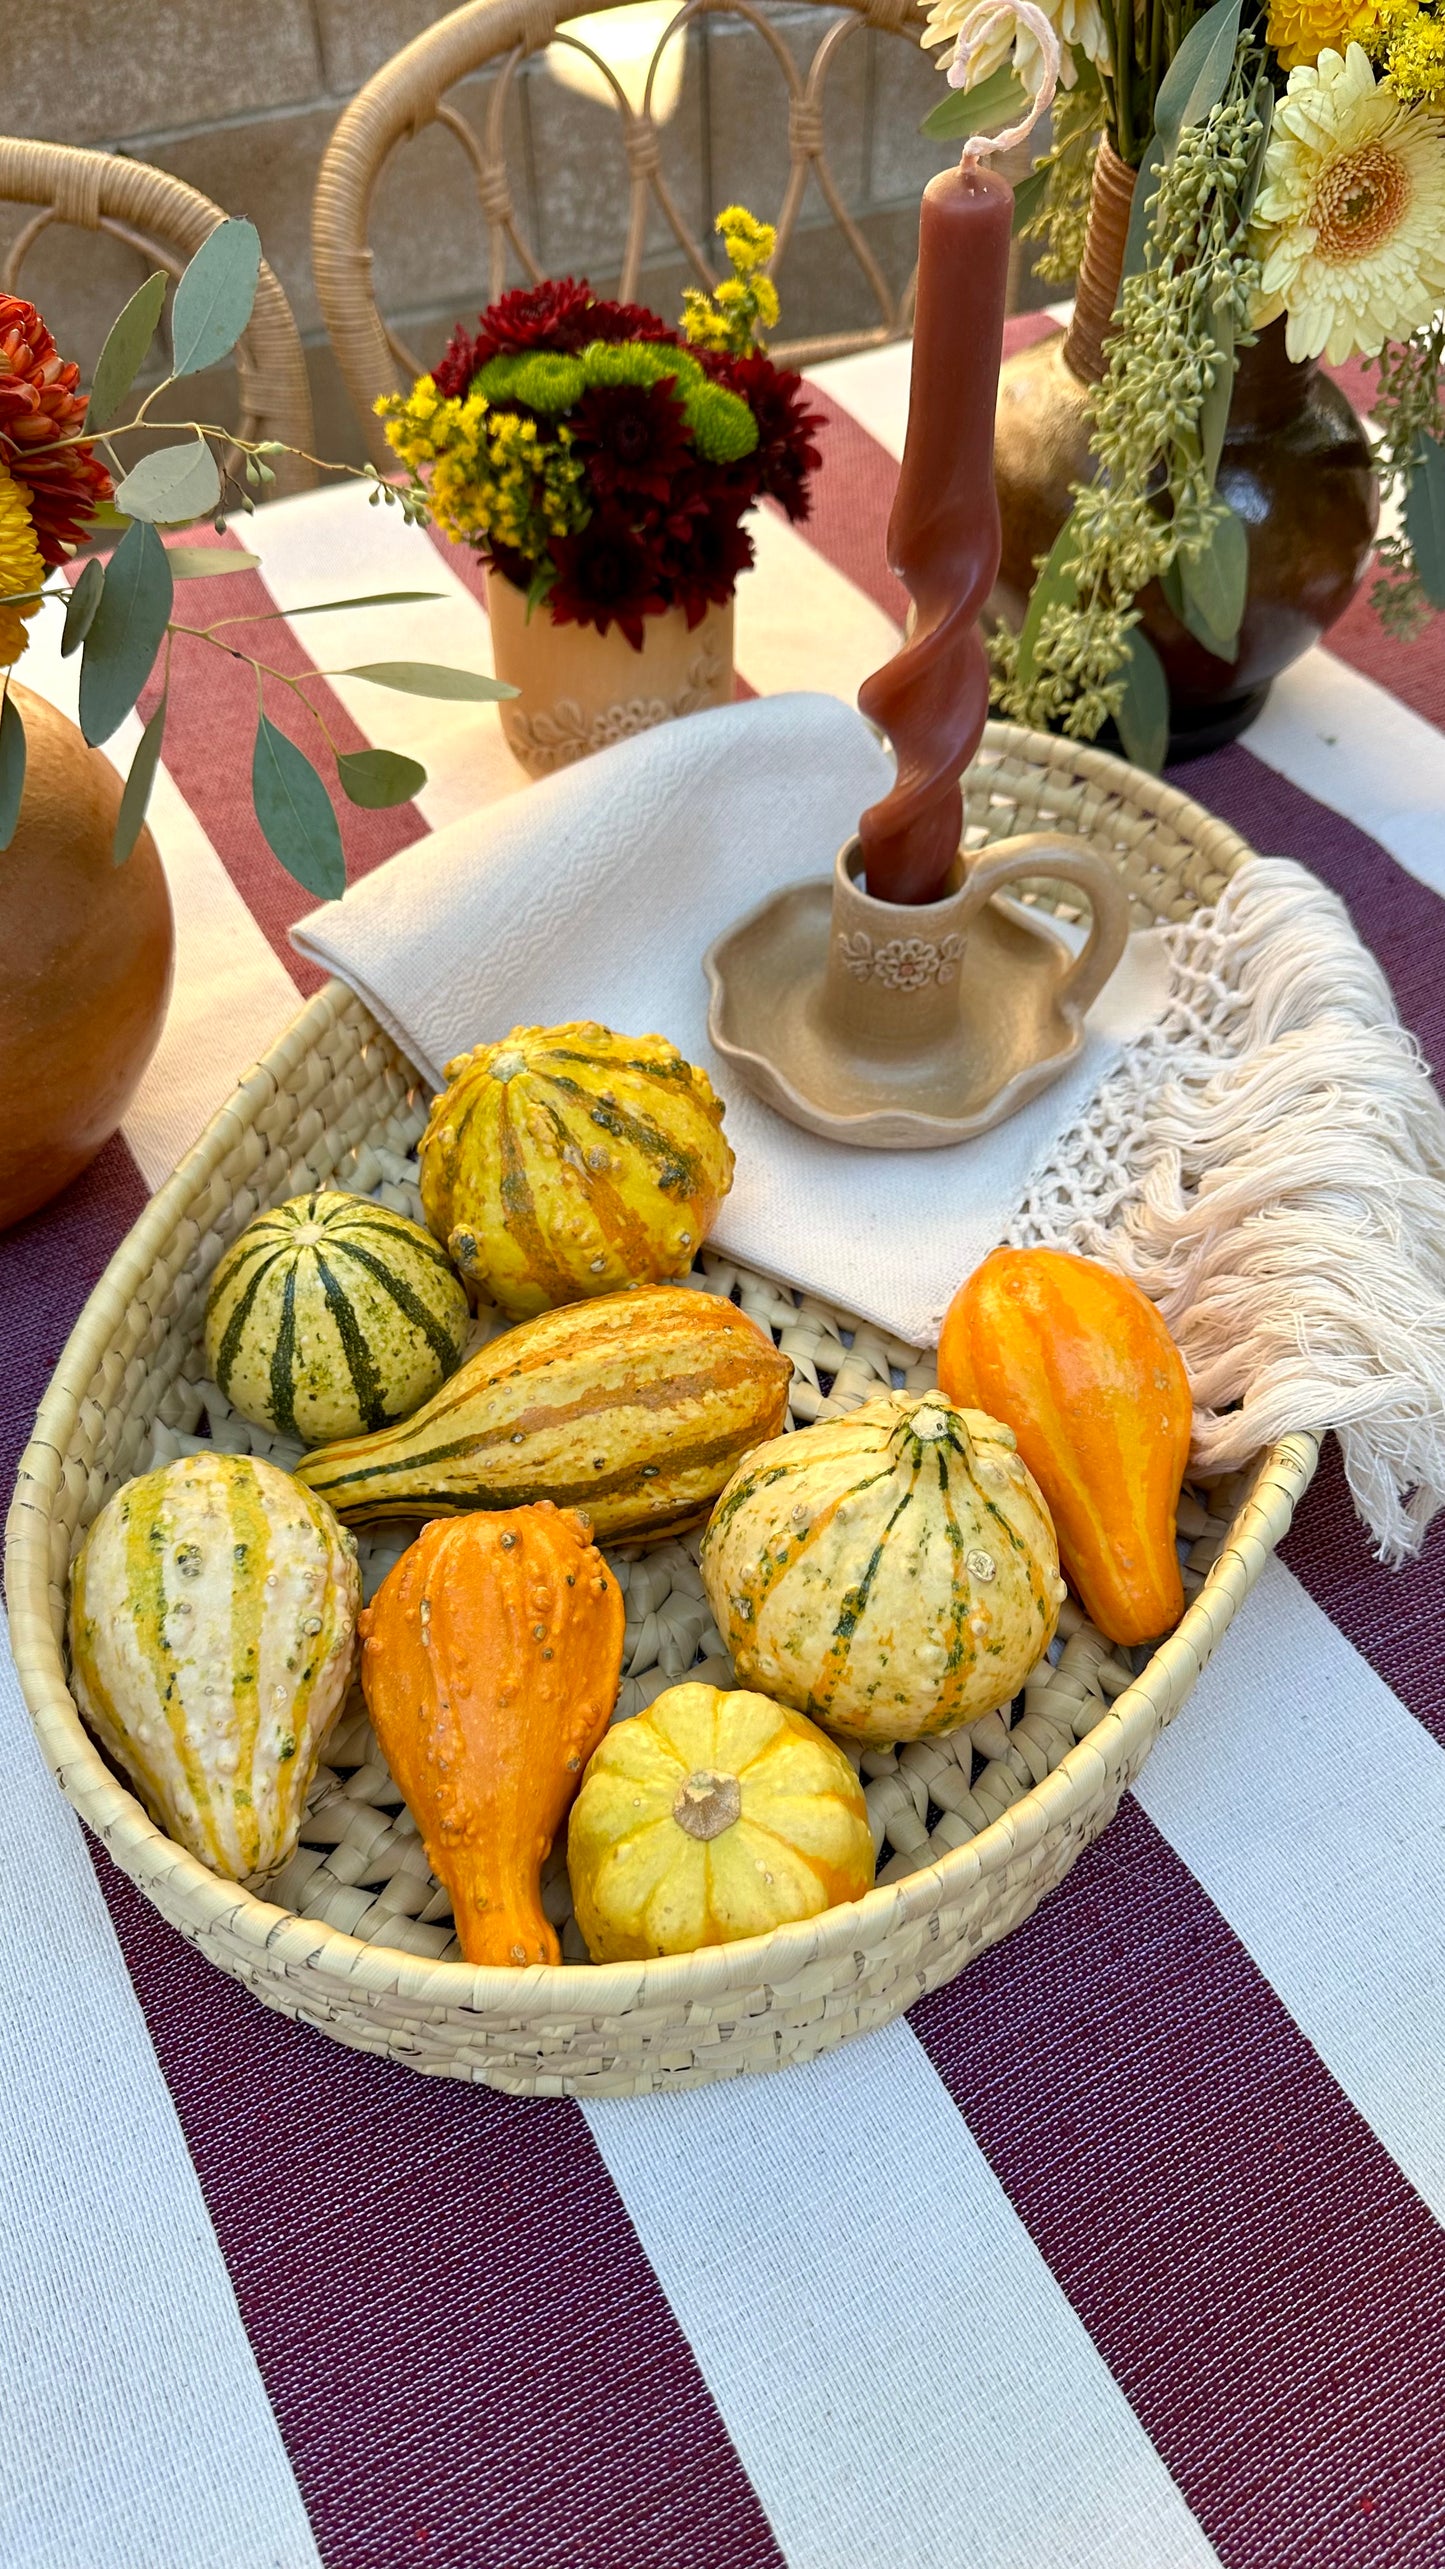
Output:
x,y
596,893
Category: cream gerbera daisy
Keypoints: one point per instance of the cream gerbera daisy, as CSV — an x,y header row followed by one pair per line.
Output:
x,y
21,567
1077,23
1350,221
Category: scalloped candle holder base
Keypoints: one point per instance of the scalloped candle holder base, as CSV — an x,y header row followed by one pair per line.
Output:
x,y
903,1028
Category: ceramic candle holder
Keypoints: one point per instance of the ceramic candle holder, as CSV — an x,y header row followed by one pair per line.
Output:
x,y
906,1026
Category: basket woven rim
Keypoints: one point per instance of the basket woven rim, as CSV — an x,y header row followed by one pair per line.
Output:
x,y
327,1956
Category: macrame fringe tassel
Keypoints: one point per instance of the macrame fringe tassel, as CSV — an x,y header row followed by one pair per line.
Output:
x,y
1269,1164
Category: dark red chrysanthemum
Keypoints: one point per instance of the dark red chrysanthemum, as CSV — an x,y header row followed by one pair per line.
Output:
x,y
632,438
561,315
785,453
703,568
606,575
64,484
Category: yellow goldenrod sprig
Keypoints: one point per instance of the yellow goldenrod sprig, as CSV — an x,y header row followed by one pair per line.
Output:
x,y
732,318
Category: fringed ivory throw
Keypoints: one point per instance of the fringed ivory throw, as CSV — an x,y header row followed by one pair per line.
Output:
x,y
1268,1161
1248,1130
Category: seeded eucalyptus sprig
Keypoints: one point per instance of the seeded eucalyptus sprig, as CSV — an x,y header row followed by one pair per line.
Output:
x,y
119,615
1410,461
1152,512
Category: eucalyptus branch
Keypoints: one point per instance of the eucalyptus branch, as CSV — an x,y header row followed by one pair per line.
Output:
x,y
1410,417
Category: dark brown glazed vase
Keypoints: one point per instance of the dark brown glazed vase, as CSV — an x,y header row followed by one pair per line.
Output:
x,y
85,964
1295,466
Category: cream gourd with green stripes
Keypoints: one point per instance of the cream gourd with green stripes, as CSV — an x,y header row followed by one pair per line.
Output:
x,y
568,1161
892,1573
213,1611
330,1316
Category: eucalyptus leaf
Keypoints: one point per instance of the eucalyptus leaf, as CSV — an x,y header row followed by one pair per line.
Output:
x,y
427,678
172,485
1194,83
138,785
12,767
1214,587
1143,716
999,100
125,633
1198,77
208,561
214,298
381,598
1425,518
295,813
1057,585
1214,409
378,778
1028,197
80,607
127,340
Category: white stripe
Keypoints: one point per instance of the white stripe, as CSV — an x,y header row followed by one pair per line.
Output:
x,y
1348,742
904,2382
1310,1805
873,387
334,544
800,623
232,996
135,2426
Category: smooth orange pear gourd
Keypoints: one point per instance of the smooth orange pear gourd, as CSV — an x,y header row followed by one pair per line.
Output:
x,y
491,1661
1077,1361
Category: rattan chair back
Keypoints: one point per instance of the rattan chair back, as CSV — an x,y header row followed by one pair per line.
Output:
x,y
165,221
413,90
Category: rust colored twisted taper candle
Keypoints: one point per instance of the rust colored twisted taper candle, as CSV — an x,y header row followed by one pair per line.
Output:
x,y
943,534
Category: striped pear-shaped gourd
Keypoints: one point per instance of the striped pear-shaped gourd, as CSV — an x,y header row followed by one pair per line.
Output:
x,y
567,1161
213,1611
892,1573
633,1410
330,1316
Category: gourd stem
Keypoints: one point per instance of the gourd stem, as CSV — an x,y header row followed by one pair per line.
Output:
x,y
707,1804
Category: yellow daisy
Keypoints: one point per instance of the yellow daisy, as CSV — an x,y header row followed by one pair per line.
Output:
x,y
1350,221
21,567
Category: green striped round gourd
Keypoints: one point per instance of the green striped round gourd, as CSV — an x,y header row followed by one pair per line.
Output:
x,y
567,1162
213,1611
893,1573
331,1316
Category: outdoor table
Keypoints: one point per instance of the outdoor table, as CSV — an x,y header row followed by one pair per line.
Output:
x,y
1122,2252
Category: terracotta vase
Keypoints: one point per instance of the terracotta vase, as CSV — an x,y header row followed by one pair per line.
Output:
x,y
85,964
1295,465
581,690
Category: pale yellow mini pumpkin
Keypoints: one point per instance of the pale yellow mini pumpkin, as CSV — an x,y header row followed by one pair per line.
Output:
x,y
213,1613
567,1161
708,1817
892,1573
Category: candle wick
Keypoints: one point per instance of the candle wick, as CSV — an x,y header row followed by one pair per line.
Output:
x,y
978,26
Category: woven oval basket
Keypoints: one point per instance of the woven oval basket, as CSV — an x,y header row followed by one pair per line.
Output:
x,y
355,1935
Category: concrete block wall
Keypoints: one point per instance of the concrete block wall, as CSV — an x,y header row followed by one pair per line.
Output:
x,y
242,105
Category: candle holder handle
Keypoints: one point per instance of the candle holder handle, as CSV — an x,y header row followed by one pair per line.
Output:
x,y
1036,853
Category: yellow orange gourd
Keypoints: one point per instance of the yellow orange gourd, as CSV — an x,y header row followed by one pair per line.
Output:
x,y
1080,1365
490,1663
709,1817
568,1161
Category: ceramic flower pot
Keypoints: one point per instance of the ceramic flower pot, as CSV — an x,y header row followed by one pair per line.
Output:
x,y
85,964
1295,465
580,690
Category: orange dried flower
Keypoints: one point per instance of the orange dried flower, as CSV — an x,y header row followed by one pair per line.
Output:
x,y
39,405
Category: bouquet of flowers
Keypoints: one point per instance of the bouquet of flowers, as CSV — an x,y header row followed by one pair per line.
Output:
x,y
1291,161
602,462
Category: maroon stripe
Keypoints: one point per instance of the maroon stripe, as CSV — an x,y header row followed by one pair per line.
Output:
x,y
210,733
1259,2277
470,2359
1413,671
851,498
48,1266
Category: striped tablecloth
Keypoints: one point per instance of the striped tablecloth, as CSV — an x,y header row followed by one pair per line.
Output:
x,y
1121,2253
